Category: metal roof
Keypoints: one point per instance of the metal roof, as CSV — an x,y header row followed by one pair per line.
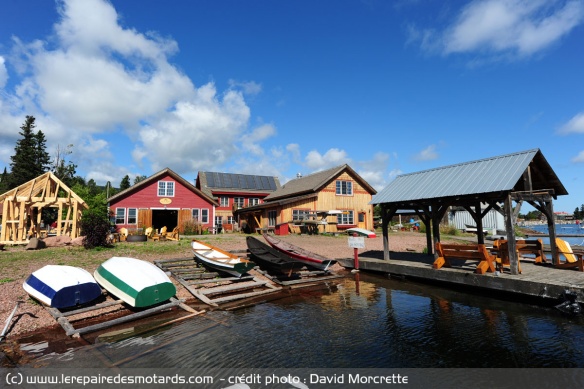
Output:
x,y
490,175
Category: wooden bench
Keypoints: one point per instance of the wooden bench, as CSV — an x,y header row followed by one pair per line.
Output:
x,y
533,246
447,252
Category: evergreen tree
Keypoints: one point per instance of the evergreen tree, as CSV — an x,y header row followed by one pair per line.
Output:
x,y
43,159
125,184
138,179
23,166
4,181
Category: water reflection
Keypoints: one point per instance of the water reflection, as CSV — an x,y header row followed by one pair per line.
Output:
x,y
362,321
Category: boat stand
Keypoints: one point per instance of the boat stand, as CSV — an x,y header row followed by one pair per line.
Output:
x,y
302,279
193,277
62,317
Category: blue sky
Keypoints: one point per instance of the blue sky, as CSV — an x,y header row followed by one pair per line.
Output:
x,y
286,87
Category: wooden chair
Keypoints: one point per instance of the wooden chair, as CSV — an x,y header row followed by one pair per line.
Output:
x,y
123,234
573,260
173,235
160,236
148,232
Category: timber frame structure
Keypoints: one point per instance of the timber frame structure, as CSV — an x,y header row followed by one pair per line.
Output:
x,y
497,182
22,209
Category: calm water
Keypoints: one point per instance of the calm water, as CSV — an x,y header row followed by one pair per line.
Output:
x,y
563,229
376,322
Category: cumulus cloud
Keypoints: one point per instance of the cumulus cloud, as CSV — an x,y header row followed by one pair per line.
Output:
x,y
428,154
579,158
3,73
331,158
516,28
98,82
574,125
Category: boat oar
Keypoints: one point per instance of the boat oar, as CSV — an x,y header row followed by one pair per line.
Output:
x,y
5,330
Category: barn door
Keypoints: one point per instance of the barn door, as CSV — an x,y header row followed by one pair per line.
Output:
x,y
184,215
144,218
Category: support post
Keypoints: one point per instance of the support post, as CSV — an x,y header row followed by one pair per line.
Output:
x,y
511,243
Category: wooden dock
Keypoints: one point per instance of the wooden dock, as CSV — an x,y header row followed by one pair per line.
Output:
x,y
536,281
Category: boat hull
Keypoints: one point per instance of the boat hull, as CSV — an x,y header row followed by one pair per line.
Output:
x,y
271,259
361,232
310,259
138,283
216,259
61,286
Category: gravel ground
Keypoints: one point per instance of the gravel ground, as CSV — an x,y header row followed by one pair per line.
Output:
x,y
32,317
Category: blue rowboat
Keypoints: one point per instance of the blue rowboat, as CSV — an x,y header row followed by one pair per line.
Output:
x,y
61,286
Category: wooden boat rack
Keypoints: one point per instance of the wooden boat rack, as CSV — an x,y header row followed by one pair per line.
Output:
x,y
193,277
300,279
62,317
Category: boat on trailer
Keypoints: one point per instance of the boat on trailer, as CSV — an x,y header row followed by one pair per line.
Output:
x,y
220,260
271,259
138,283
61,286
309,258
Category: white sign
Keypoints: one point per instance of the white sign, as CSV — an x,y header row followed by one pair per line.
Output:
x,y
357,242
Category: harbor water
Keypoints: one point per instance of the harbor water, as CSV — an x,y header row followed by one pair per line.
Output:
x,y
361,321
562,229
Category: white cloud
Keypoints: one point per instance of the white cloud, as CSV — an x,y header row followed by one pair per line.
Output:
x,y
428,154
333,157
3,73
574,125
516,28
247,87
96,83
579,158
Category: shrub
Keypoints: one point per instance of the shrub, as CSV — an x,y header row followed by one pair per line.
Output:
x,y
95,230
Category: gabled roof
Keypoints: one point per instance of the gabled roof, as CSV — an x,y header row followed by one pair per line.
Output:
x,y
312,183
210,182
46,186
494,175
157,176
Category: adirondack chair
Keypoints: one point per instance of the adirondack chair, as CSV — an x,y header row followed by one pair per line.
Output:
x,y
160,236
123,234
173,235
572,259
148,232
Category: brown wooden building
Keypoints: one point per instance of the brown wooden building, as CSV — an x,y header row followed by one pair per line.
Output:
x,y
338,196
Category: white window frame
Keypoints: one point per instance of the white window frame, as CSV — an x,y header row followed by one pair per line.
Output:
x,y
135,217
196,214
165,188
204,215
299,214
346,218
253,201
239,201
344,188
122,219
224,201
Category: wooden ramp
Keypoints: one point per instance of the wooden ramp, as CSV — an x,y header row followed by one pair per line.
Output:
x,y
63,317
197,280
301,279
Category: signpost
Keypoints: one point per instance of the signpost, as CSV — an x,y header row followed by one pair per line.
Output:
x,y
356,242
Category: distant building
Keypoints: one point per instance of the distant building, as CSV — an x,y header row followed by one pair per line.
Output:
x,y
307,199
235,191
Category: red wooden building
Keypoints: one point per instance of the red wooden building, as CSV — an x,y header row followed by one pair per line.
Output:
x,y
163,199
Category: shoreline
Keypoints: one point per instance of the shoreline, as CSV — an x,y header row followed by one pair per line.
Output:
x,y
31,317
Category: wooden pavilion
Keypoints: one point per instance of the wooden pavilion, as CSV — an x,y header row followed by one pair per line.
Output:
x,y
498,181
22,209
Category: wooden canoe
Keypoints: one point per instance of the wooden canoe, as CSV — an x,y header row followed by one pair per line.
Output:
x,y
220,260
271,259
309,258
138,283
61,286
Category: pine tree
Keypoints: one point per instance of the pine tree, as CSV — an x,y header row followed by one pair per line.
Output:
x,y
4,181
42,158
125,184
23,166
